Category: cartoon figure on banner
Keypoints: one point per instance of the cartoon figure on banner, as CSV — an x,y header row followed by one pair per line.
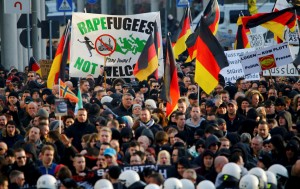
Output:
x,y
132,44
88,43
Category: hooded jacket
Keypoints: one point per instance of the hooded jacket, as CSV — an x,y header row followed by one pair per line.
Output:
x,y
288,118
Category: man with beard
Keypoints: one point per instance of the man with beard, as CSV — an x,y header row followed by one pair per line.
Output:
x,y
196,121
80,127
148,122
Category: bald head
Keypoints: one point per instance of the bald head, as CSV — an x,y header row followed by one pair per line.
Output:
x,y
220,161
144,141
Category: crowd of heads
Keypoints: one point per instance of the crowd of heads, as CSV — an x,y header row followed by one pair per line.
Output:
x,y
232,137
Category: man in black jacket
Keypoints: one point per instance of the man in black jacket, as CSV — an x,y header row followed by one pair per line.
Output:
x,y
125,108
80,127
27,166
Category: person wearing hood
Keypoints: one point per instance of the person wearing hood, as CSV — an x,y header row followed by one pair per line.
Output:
x,y
285,120
291,153
80,127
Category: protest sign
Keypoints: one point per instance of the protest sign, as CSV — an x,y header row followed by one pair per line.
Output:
x,y
266,58
256,40
120,39
235,70
287,70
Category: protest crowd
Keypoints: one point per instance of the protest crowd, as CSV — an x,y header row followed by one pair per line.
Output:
x,y
122,127
242,135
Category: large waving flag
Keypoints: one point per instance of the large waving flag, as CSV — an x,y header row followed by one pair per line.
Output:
x,y
181,35
170,91
60,60
157,42
241,41
212,18
65,92
210,58
147,63
280,5
274,21
34,66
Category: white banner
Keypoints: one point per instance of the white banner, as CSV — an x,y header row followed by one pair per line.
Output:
x,y
266,58
235,69
120,39
287,70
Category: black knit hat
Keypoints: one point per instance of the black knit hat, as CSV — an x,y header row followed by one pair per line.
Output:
x,y
13,93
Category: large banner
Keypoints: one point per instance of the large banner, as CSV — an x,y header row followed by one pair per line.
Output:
x,y
266,58
119,39
235,69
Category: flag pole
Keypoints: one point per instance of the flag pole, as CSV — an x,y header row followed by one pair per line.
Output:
x,y
297,22
105,59
59,116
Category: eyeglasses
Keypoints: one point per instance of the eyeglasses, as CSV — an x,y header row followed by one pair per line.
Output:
x,y
156,86
21,157
1,72
30,76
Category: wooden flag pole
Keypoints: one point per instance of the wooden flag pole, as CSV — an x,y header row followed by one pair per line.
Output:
x,y
105,59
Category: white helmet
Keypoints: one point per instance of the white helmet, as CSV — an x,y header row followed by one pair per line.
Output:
x,y
172,183
249,182
279,171
272,181
103,184
232,169
129,177
188,184
46,181
152,186
261,175
206,184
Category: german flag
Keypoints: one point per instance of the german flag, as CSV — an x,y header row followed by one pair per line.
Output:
x,y
157,45
147,62
209,60
212,18
181,35
34,66
212,15
57,69
274,21
280,5
65,92
241,41
170,91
